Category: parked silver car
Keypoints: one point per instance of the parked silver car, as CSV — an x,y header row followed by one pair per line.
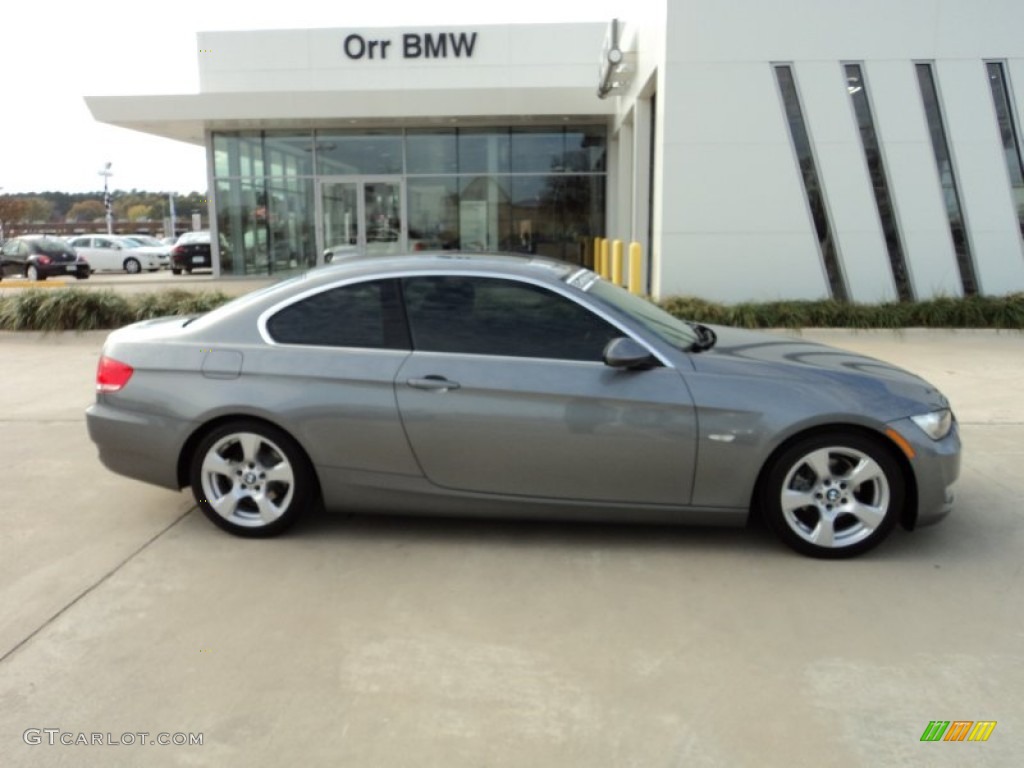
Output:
x,y
498,385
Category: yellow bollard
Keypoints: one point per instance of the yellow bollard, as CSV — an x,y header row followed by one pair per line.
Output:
x,y
617,262
602,256
635,269
596,254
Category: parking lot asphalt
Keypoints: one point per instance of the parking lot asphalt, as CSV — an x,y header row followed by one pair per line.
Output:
x,y
397,642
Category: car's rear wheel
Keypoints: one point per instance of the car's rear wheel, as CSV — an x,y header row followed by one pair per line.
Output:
x,y
33,273
834,495
251,479
132,266
175,270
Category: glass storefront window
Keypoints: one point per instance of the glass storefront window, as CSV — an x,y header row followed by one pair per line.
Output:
x,y
586,148
370,153
288,154
430,152
485,213
527,190
433,213
538,150
483,150
238,154
265,225
291,237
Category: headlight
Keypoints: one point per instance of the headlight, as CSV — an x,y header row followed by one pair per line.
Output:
x,y
935,424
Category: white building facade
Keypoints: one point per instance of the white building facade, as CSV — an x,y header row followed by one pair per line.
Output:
x,y
757,150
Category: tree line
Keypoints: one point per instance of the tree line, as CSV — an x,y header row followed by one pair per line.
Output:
x,y
56,207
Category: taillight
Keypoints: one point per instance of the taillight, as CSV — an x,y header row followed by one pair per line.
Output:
x,y
178,250
43,259
112,375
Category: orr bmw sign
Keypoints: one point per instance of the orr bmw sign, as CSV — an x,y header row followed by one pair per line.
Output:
x,y
414,45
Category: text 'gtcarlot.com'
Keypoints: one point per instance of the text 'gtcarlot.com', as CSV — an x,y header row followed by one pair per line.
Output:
x,y
55,736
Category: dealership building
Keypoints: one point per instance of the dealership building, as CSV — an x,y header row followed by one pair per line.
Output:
x,y
755,149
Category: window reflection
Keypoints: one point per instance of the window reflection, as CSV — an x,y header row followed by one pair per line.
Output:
x,y
1009,135
812,185
430,152
483,150
537,150
857,89
947,178
359,153
524,189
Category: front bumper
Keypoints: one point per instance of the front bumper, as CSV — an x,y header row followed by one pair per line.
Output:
x,y
936,467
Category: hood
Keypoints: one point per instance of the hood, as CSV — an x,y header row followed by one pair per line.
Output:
x,y
755,353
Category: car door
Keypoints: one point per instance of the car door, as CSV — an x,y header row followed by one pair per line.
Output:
x,y
99,258
505,392
330,378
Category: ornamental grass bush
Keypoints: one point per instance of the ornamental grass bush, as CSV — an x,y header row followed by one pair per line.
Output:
x,y
999,312
69,309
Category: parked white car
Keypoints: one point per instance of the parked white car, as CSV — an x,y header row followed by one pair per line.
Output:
x,y
111,253
148,244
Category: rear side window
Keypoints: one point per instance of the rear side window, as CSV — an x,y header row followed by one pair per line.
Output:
x,y
493,316
367,315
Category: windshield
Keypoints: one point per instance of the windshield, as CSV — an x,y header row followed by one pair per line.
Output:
x,y
668,328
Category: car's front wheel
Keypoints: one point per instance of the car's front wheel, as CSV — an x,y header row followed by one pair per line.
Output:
x,y
834,495
132,266
251,479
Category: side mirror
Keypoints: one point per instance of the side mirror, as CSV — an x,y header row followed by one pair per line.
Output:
x,y
628,353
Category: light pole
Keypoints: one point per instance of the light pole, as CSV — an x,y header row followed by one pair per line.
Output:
x,y
106,173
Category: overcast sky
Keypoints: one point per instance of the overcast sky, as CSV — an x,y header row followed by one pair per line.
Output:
x,y
55,52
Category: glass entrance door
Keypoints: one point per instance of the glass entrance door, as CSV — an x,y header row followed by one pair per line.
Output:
x,y
360,216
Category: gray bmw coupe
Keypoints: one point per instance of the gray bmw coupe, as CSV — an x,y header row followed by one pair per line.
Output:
x,y
507,386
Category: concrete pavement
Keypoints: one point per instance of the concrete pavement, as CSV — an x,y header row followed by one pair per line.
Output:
x,y
398,642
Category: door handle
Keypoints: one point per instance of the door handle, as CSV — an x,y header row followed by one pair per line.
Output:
x,y
433,382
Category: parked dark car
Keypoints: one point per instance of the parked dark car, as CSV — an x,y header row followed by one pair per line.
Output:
x,y
38,257
192,251
507,386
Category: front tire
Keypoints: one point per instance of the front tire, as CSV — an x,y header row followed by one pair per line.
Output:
x,y
132,266
251,479
834,495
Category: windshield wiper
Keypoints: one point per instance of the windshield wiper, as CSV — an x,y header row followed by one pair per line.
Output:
x,y
706,337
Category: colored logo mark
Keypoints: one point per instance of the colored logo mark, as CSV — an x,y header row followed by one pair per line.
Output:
x,y
958,730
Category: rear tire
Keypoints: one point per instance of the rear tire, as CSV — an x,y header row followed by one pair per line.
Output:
x,y
175,270
251,479
33,274
132,266
834,495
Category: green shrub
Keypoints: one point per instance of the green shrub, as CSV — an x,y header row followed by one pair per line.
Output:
x,y
1004,312
64,309
68,309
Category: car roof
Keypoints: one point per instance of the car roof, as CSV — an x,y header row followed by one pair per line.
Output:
x,y
443,262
